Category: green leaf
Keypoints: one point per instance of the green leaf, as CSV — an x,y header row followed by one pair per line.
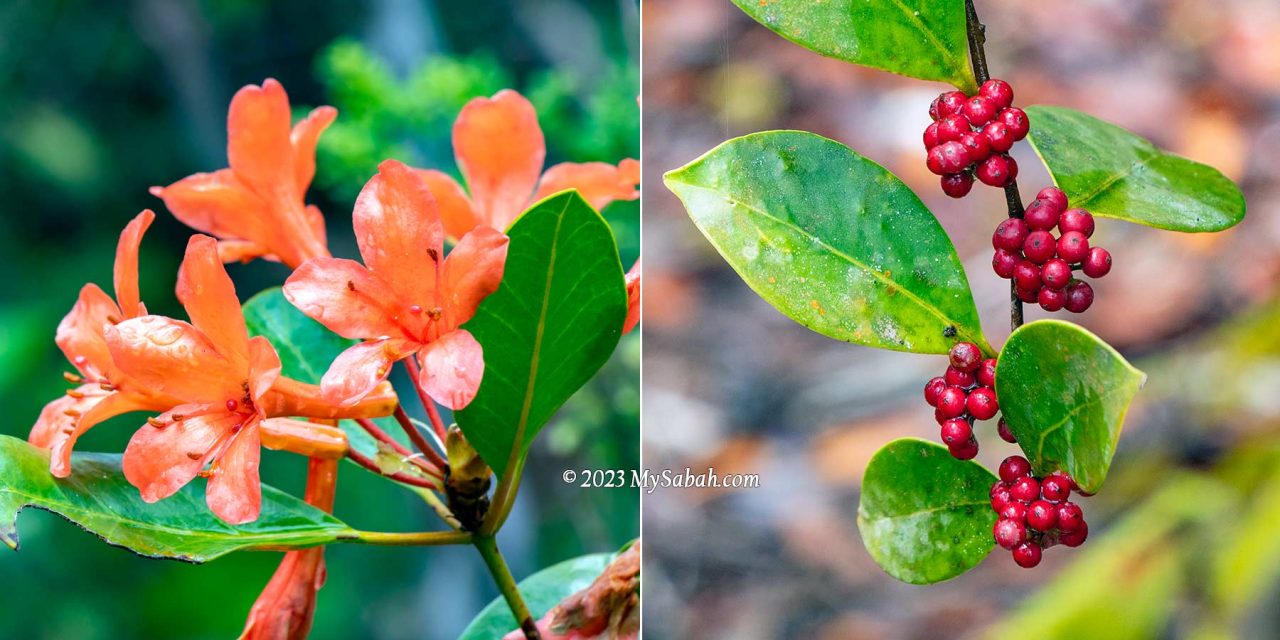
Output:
x,y
1114,173
1064,393
548,328
305,346
98,498
925,516
541,591
832,240
923,39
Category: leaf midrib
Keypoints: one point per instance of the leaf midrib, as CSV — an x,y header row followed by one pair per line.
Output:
x,y
912,514
1072,413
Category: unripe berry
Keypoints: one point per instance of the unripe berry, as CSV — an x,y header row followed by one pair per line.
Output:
x,y
1079,297
1055,273
998,92
1010,533
951,103
1053,196
931,136
997,133
1026,275
1070,517
1016,120
1041,515
1051,299
1002,428
1027,295
932,389
1040,246
997,171
1025,489
1027,555
1073,247
1076,220
1097,263
1010,234
1013,510
956,430
1003,262
1077,537
1000,496
965,356
958,378
982,403
979,111
951,402
987,373
951,128
1014,468
948,157
1041,215
977,144
957,185
1055,488
967,450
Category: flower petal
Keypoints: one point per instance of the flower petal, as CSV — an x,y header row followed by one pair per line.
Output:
x,y
358,370
347,298
305,438
264,366
96,411
243,251
60,416
207,293
80,334
399,232
472,271
219,204
290,398
599,183
234,493
161,460
126,267
304,137
633,298
258,141
172,357
500,150
456,212
452,367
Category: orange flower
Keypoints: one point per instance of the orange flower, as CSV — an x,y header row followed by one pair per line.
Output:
x,y
256,207
407,298
105,391
633,298
500,150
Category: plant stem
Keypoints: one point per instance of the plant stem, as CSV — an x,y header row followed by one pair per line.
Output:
x,y
427,403
378,434
488,548
370,464
504,497
978,58
416,438
420,539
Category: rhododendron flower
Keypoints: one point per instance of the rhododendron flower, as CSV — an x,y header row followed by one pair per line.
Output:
x,y
105,391
407,299
256,206
500,150
633,298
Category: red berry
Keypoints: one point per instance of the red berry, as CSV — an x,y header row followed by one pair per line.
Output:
x,y
1055,488
1025,489
1097,263
997,133
1077,537
1079,297
955,431
1040,246
1000,496
931,136
1004,262
1002,428
948,157
1016,120
965,356
967,450
951,402
1027,555
982,403
958,378
987,373
998,92
1051,299
1076,220
1073,247
1041,215
1056,273
957,185
1070,516
950,128
998,170
1010,533
932,389
977,144
979,110
1010,234
1041,515
937,415
1014,510
1014,468
950,103
1053,196
1027,295
1026,275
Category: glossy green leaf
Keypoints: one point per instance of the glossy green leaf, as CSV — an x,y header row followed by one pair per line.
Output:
x,y
923,39
305,346
925,516
98,498
553,322
541,591
832,240
1114,173
1064,393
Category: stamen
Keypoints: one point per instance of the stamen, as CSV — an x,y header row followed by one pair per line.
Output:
x,y
159,424
351,286
433,254
69,430
71,377
195,455
71,412
178,417
435,313
205,473
113,319
75,394
382,371
107,386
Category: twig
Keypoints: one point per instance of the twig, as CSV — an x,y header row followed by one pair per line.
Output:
x,y
370,464
416,438
427,403
385,438
488,548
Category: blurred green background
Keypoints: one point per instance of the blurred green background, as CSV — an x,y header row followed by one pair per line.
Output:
x,y
99,101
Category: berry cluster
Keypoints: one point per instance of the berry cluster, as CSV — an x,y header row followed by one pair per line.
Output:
x,y
1040,265
1034,513
967,392
972,135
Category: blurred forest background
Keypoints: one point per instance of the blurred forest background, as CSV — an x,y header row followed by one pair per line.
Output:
x,y
99,101
1183,538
